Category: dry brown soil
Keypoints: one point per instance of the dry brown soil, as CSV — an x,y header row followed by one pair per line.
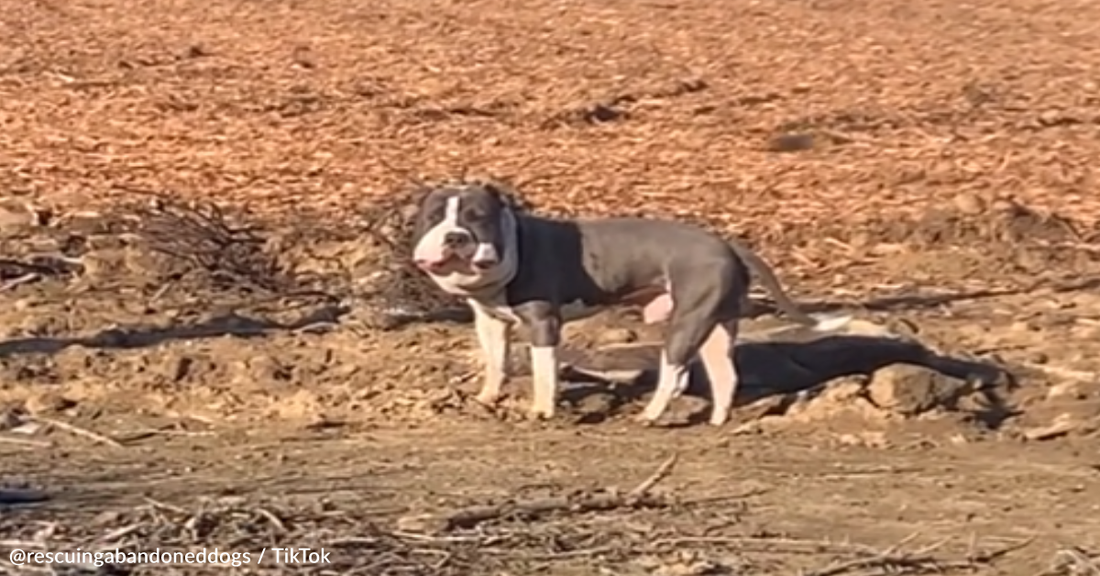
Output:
x,y
172,381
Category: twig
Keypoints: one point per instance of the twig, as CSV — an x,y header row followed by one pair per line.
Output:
x,y
548,556
26,442
121,532
160,292
886,558
662,472
19,281
73,429
273,519
1074,561
436,539
21,544
22,496
165,506
639,497
919,561
1067,373
765,542
143,434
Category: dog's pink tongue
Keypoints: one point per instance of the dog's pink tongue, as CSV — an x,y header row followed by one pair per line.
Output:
x,y
430,257
425,264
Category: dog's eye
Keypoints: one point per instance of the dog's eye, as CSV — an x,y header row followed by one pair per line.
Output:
x,y
474,216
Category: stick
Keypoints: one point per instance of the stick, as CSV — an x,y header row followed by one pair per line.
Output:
x,y
639,497
1076,561
919,561
1067,373
764,542
26,442
143,434
121,532
79,431
165,506
662,472
24,279
22,496
273,519
886,558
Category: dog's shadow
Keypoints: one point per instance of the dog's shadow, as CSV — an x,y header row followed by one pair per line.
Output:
x,y
598,384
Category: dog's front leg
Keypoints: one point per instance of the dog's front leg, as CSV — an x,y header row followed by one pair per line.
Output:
x,y
494,335
545,328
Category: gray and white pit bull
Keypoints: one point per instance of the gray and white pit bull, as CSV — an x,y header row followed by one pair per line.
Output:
x,y
513,267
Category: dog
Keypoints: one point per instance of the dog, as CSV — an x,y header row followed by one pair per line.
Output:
x,y
511,266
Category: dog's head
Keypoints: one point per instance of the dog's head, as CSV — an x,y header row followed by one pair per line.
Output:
x,y
465,234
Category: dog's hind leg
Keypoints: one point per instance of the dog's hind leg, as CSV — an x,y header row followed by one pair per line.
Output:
x,y
672,378
717,355
687,331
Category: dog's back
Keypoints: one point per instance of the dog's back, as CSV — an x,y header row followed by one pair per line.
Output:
x,y
598,259
648,248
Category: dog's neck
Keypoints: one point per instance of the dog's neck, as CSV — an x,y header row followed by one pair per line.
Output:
x,y
509,265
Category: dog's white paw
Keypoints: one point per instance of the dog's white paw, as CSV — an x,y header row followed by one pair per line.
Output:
x,y
489,399
540,413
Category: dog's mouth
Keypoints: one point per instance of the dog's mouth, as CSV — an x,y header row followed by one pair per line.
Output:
x,y
448,264
434,265
484,265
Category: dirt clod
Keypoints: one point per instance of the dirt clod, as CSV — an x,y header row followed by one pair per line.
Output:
x,y
910,390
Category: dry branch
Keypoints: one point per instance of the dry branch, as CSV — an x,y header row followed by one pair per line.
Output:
x,y
200,233
894,561
78,431
469,517
1074,561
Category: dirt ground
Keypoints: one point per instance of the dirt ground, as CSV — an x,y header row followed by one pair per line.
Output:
x,y
266,374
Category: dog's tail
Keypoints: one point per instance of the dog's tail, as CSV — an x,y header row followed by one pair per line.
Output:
x,y
783,302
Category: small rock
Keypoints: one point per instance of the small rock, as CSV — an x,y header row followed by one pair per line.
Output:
x,y
151,265
1062,425
791,143
17,218
1068,390
970,204
1055,117
1038,358
842,391
857,327
912,390
1024,326
424,524
11,417
48,403
600,113
867,439
178,368
617,336
107,518
597,404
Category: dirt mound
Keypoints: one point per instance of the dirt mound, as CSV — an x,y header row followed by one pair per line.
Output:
x,y
192,309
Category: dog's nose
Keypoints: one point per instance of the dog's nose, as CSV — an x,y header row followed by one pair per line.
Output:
x,y
455,239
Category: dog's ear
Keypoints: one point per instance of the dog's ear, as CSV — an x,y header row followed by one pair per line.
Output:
x,y
418,194
413,209
508,196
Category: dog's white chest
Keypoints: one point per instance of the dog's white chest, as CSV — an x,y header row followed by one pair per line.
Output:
x,y
453,283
